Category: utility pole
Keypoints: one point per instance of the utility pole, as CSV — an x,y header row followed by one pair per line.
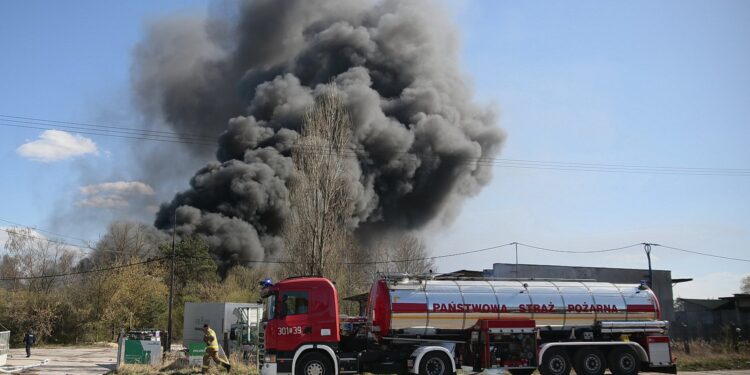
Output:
x,y
168,344
647,248
516,243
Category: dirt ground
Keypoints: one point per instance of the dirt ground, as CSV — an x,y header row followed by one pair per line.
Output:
x,y
95,361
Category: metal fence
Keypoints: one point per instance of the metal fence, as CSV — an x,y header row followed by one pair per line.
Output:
x,y
4,342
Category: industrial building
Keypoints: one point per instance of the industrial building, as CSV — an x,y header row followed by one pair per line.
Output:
x,y
712,318
662,279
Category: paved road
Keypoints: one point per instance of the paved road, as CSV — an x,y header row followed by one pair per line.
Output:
x,y
83,361
96,361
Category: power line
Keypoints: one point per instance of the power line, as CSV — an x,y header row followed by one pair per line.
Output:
x,y
38,120
59,242
46,231
79,248
620,165
146,138
19,233
374,262
200,140
241,261
547,165
701,253
82,272
370,262
580,251
430,257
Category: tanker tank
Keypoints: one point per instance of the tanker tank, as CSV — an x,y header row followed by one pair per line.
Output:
x,y
423,306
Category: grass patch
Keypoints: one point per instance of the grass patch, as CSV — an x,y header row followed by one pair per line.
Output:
x,y
177,365
708,356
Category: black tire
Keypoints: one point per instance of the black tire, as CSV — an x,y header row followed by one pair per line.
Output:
x,y
589,361
623,361
435,363
556,361
522,372
314,363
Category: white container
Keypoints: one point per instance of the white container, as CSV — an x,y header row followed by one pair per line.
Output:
x,y
218,315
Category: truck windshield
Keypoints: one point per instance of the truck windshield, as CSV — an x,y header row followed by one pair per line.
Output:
x,y
270,306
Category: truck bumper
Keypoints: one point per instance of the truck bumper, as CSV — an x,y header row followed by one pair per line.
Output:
x,y
268,369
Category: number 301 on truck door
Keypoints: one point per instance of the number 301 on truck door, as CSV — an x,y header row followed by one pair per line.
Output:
x,y
289,331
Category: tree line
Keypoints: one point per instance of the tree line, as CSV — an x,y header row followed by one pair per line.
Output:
x,y
122,281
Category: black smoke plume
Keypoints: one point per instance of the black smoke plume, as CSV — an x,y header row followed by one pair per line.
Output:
x,y
249,76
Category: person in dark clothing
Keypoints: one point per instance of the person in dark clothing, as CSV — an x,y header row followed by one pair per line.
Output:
x,y
29,340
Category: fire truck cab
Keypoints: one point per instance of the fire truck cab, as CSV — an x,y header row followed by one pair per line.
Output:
x,y
302,325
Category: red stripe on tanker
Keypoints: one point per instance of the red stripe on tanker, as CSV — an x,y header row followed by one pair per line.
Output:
x,y
409,307
641,308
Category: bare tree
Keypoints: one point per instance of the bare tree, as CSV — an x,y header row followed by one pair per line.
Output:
x,y
403,254
31,256
317,231
745,286
34,292
127,242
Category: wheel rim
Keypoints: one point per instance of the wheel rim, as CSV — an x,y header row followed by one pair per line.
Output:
x,y
592,363
557,364
314,368
435,366
627,362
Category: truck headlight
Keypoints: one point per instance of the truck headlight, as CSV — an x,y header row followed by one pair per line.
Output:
x,y
270,358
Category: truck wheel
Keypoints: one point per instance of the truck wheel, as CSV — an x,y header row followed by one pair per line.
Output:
x,y
623,361
589,361
314,363
555,362
435,363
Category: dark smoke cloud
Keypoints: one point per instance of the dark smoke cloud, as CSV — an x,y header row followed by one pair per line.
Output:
x,y
250,77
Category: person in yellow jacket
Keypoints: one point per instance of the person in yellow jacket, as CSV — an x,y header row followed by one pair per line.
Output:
x,y
212,349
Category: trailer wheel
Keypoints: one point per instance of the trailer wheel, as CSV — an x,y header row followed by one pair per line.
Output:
x,y
435,363
314,363
589,361
623,361
555,362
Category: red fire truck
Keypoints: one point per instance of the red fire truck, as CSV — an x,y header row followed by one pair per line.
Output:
x,y
435,326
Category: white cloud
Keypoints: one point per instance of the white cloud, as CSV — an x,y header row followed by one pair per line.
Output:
x,y
117,194
118,187
54,145
104,202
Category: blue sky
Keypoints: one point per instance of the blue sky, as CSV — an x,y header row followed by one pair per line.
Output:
x,y
640,83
